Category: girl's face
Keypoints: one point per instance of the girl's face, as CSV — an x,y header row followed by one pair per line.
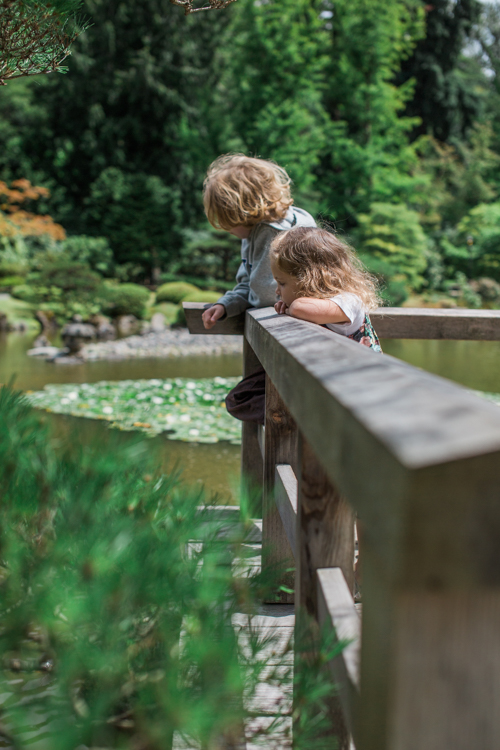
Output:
x,y
287,287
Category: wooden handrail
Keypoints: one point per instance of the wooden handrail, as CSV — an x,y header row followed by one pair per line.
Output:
x,y
389,322
418,458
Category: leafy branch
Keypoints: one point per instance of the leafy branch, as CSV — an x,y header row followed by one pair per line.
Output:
x,y
36,37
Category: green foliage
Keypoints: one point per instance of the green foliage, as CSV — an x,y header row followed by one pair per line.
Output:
x,y
137,213
188,410
93,251
126,299
175,291
447,95
391,235
476,247
99,580
10,281
209,254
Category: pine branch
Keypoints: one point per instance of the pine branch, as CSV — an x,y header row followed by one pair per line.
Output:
x,y
36,37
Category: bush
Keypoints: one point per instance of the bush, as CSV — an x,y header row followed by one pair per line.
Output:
x,y
10,281
98,576
392,234
126,299
65,288
93,251
200,296
175,291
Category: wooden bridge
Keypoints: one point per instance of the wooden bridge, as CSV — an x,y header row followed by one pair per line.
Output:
x,y
349,432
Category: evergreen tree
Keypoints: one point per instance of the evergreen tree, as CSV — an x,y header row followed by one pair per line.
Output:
x,y
446,96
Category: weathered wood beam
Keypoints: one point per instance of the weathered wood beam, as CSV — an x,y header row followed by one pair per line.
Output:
x,y
336,609
280,447
285,495
389,322
229,326
426,323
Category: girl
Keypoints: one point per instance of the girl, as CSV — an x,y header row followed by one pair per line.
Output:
x,y
251,199
319,279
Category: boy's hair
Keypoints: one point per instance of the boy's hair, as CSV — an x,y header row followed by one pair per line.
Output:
x,y
240,190
323,265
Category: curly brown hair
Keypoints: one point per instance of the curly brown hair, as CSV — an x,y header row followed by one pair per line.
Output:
x,y
323,265
241,190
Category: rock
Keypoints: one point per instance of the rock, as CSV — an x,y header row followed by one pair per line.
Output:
x,y
4,325
105,330
75,335
44,351
41,340
158,323
127,324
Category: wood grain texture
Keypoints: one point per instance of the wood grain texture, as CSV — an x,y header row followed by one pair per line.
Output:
x,y
425,323
229,326
281,447
336,608
252,466
325,530
285,495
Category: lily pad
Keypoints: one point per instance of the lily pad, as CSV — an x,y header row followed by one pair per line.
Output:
x,y
181,409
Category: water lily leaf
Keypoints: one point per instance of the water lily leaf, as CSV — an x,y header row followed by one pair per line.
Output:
x,y
181,409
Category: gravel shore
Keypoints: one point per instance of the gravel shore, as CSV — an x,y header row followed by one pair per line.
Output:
x,y
177,342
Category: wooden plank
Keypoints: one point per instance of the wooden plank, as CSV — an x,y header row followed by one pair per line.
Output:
x,y
336,608
426,323
252,465
285,495
280,447
325,530
229,326
261,437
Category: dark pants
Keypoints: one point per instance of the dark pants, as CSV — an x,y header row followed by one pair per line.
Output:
x,y
247,400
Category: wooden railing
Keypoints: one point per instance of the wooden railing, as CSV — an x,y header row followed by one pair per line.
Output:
x,y
350,432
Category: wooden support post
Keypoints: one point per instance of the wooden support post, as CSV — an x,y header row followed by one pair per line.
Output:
x,y
280,447
325,539
325,530
251,455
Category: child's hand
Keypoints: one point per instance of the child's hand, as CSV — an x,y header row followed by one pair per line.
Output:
x,y
280,307
212,314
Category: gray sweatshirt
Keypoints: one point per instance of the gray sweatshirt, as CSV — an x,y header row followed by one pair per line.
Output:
x,y
255,286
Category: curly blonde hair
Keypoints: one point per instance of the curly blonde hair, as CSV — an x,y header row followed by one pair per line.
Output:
x,y
240,190
323,265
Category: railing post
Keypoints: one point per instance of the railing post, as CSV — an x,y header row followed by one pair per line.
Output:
x,y
280,447
251,455
325,539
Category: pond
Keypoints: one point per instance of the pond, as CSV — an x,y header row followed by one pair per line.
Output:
x,y
475,364
215,466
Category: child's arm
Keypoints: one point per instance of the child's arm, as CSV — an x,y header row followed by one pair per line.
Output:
x,y
314,310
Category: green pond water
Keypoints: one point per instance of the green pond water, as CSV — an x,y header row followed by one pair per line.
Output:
x,y
216,467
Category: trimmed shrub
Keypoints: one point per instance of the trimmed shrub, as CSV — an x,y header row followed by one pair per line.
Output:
x,y
175,291
200,296
126,299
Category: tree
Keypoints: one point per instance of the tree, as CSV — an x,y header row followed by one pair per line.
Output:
x,y
446,98
36,37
